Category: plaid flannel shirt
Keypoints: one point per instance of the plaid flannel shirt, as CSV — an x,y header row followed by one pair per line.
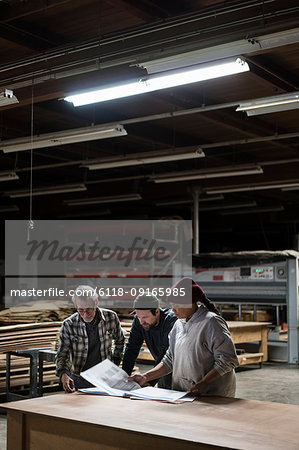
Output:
x,y
73,342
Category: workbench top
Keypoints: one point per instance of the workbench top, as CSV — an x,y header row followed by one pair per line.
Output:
x,y
211,421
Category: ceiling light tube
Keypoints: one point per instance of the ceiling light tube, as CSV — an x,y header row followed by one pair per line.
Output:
x,y
62,137
188,201
7,176
295,187
165,80
205,174
108,199
146,159
265,209
267,105
248,204
9,208
60,189
226,50
251,188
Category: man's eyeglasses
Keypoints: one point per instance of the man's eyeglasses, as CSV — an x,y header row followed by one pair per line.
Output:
x,y
86,310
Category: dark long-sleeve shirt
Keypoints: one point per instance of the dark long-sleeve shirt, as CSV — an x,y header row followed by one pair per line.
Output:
x,y
156,339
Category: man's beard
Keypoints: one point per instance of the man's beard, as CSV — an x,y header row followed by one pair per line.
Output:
x,y
150,326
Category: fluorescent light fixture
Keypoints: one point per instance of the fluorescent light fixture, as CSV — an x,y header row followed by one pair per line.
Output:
x,y
108,199
255,187
62,137
60,189
229,206
9,208
188,200
7,176
265,209
208,173
7,98
295,187
147,158
93,213
211,198
229,49
165,80
267,105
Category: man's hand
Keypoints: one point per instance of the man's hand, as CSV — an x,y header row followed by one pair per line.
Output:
x,y
67,383
140,379
201,386
197,389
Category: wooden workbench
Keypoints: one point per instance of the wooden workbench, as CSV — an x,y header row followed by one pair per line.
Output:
x,y
91,422
243,332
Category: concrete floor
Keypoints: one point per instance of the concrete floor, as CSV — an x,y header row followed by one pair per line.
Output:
x,y
2,432
274,382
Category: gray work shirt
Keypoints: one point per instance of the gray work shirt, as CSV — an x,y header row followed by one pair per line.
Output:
x,y
197,346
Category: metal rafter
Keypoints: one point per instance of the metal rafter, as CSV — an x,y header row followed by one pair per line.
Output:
x,y
23,9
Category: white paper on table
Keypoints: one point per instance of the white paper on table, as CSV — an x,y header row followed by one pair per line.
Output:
x,y
106,375
109,379
103,390
152,393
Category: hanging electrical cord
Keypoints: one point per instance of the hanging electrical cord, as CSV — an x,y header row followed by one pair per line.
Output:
x,y
30,225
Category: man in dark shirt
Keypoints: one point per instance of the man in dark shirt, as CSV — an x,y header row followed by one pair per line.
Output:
x,y
152,325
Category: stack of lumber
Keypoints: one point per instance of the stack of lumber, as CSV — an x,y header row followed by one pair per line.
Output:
x,y
23,336
42,311
124,314
267,314
20,372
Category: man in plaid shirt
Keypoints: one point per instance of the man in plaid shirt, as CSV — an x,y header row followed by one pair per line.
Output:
x,y
86,339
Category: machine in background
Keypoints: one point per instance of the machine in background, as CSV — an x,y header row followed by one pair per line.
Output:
x,y
256,279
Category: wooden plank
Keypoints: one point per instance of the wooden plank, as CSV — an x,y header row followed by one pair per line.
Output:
x,y
245,336
250,358
244,324
29,325
217,422
78,436
263,346
15,430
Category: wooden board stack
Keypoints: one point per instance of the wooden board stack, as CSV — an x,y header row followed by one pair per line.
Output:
x,y
22,337
42,311
19,379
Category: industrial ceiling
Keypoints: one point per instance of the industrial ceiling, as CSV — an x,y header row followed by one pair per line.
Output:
x,y
244,175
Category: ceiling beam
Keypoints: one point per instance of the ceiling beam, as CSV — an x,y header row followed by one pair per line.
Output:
x,y
143,9
186,34
25,38
27,8
271,72
226,119
158,9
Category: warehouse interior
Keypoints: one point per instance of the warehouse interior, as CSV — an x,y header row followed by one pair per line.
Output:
x,y
221,152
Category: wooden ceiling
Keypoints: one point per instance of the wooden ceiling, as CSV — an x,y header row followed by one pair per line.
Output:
x,y
51,48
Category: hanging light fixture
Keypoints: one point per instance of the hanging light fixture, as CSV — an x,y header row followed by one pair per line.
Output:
x,y
165,80
266,105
